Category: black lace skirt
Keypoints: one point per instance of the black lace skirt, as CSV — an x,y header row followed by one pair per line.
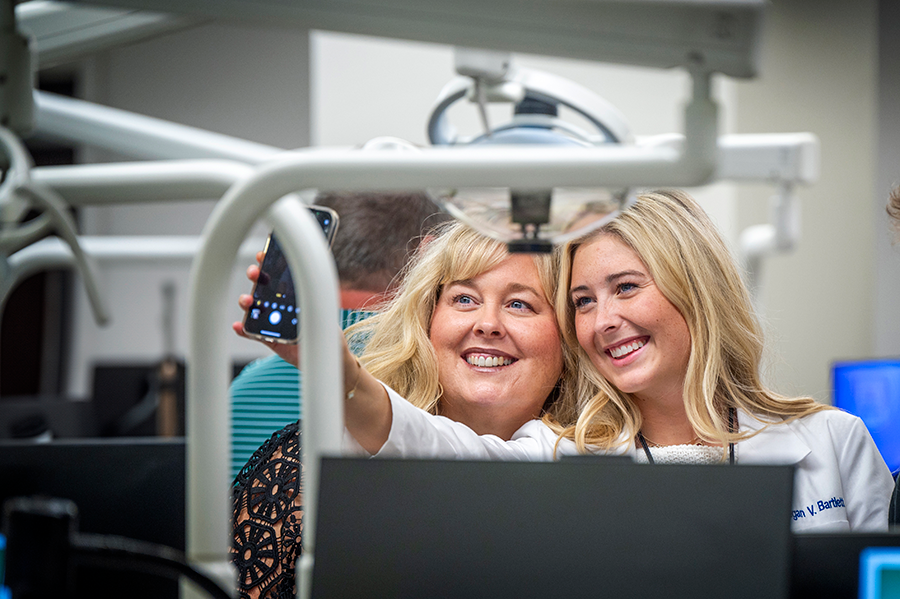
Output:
x,y
268,517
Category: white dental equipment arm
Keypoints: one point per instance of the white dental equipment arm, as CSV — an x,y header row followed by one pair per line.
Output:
x,y
69,119
52,253
781,235
66,31
17,194
17,69
208,503
137,135
136,182
784,159
96,185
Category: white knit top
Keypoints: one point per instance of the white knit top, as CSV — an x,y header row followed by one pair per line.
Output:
x,y
681,454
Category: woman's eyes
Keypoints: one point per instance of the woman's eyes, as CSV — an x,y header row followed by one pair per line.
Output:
x,y
463,299
520,305
466,300
580,302
623,288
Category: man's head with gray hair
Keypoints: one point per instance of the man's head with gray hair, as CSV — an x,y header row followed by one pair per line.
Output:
x,y
378,232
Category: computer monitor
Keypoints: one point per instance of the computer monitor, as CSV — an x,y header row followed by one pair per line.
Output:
x,y
132,488
831,565
870,389
405,529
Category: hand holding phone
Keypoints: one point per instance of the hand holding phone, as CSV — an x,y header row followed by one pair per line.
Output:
x,y
274,315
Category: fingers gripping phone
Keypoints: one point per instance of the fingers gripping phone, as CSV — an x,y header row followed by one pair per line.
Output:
x,y
274,315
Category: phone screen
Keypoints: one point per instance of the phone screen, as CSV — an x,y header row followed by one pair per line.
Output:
x,y
274,314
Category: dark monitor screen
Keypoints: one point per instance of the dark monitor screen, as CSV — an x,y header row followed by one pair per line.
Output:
x,y
870,389
132,488
432,528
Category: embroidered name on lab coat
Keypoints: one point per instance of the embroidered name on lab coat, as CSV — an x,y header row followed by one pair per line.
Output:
x,y
818,507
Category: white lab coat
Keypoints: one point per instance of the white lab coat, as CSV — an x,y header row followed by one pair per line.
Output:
x,y
841,481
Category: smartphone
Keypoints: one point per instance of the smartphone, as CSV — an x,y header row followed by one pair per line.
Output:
x,y
274,315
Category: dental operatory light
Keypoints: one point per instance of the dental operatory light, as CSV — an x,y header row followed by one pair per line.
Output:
x,y
528,220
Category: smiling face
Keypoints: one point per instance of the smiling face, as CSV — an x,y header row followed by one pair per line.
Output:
x,y
634,336
498,347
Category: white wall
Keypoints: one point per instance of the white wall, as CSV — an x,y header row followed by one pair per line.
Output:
x,y
887,242
819,74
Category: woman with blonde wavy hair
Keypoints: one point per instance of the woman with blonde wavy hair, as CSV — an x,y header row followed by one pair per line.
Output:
x,y
665,245
471,337
400,340
668,352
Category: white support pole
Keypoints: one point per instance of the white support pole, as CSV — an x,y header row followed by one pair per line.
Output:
x,y
136,135
323,418
207,410
138,182
113,184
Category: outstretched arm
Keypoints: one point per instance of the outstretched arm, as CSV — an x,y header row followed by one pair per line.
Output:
x,y
367,407
369,416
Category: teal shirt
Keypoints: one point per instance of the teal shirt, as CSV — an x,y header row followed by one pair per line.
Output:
x,y
265,397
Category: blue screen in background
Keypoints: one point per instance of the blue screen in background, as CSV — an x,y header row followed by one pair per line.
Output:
x,y
871,390
879,573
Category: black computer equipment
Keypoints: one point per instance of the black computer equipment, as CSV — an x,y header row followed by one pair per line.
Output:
x,y
125,396
45,416
827,565
434,528
132,488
